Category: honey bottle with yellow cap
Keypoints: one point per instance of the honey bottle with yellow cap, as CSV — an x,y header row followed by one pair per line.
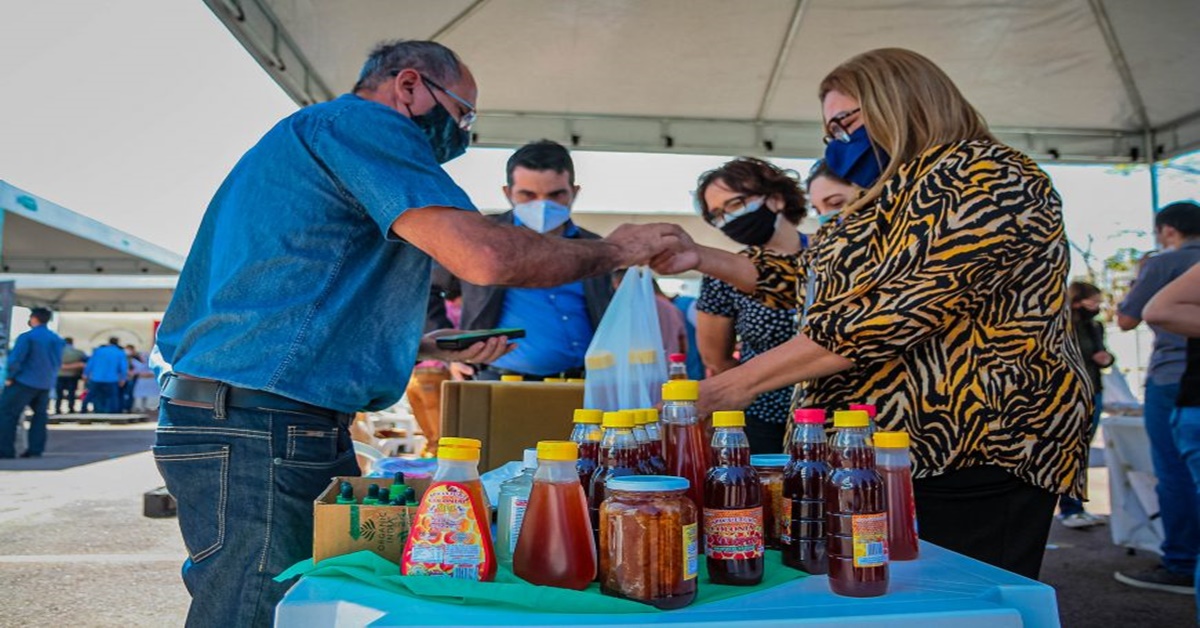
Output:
x,y
733,513
856,511
556,547
586,434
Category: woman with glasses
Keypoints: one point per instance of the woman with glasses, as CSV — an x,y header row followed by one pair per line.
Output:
x,y
760,206
939,296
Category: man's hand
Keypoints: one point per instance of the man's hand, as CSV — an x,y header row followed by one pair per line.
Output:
x,y
638,244
460,371
483,352
1102,358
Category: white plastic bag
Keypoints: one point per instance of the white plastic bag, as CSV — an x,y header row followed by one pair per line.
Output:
x,y
626,366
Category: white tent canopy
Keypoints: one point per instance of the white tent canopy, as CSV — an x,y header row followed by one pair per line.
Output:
x,y
1064,80
65,261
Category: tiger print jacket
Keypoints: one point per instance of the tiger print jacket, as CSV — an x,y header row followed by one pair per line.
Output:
x,y
949,295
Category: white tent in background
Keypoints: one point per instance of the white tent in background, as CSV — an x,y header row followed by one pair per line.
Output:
x,y
1063,80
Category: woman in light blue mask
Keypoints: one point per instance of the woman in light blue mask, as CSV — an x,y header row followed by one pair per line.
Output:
x,y
828,193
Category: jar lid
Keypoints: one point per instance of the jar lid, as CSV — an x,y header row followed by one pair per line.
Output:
x,y
729,418
621,418
681,390
588,416
601,360
558,450
575,380
554,380
465,454
455,441
647,483
769,460
850,418
891,440
809,415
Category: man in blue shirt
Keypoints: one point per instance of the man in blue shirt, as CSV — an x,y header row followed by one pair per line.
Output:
x,y
303,301
106,374
32,371
560,319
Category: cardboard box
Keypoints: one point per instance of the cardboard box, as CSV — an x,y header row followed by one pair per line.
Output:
x,y
508,416
347,528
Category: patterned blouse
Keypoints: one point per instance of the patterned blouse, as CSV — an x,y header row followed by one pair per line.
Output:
x,y
949,294
760,328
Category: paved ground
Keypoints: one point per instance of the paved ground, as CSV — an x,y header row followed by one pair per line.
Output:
x,y
75,549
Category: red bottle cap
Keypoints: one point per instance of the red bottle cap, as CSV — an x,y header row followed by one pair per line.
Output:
x,y
810,415
869,408
677,358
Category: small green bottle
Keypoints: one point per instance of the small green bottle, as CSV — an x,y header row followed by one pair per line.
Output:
x,y
346,494
372,497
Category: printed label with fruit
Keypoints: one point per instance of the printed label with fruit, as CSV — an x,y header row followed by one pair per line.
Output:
x,y
447,537
733,534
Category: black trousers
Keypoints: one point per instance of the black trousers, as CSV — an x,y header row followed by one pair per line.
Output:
x,y
765,438
988,514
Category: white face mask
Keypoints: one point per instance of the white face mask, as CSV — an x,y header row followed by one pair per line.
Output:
x,y
542,216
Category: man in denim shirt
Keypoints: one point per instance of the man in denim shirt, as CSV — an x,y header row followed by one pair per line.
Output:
x,y
303,300
32,371
1177,227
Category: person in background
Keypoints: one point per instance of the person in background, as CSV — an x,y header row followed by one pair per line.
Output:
x,y
303,301
32,370
828,193
131,356
106,373
671,324
1177,229
957,243
559,321
143,386
1176,309
695,364
758,205
73,361
1085,300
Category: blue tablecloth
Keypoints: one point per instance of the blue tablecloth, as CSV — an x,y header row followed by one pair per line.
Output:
x,y
940,590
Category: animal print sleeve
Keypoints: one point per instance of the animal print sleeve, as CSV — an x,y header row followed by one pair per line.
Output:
x,y
932,246
778,277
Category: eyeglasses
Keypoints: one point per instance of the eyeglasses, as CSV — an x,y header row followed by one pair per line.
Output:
x,y
837,130
733,209
466,120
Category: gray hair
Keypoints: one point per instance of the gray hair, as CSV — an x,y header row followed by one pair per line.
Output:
x,y
388,58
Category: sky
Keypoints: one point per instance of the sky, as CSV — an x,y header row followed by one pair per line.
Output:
x,y
133,111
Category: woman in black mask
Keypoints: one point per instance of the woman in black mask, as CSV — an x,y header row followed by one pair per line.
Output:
x,y
759,205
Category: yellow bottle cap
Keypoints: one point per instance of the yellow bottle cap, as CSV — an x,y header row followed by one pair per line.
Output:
x,y
554,380
562,450
575,380
589,417
642,356
457,442
651,415
891,440
458,453
511,378
735,418
639,417
681,390
850,418
618,419
601,360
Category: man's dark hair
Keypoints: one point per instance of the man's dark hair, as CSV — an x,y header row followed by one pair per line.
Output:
x,y
389,58
69,340
542,155
1184,216
42,315
114,341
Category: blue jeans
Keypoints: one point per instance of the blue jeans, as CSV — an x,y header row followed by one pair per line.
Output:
x,y
1186,425
1068,505
104,397
1176,489
13,401
245,486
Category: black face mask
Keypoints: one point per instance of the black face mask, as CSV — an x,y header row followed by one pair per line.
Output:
x,y
753,229
1088,312
448,141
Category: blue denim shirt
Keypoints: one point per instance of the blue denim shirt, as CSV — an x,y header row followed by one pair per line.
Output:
x,y
295,283
556,324
35,358
108,365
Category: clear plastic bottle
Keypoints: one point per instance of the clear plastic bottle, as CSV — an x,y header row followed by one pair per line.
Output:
x,y
804,481
557,547
600,387
856,511
685,448
586,434
654,431
514,498
733,513
870,409
648,462
618,458
677,366
895,465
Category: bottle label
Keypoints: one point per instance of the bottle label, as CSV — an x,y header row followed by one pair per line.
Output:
x,y
691,555
516,516
785,521
870,539
733,534
447,538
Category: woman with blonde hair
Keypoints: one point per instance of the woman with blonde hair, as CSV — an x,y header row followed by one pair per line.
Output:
x,y
940,296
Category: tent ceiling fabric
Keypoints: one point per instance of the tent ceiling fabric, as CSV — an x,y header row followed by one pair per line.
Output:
x,y
696,75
